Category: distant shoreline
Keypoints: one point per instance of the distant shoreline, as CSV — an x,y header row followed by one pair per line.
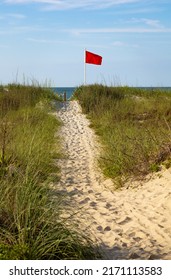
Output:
x,y
70,90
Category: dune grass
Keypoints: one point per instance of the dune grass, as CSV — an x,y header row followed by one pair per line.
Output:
x,y
134,126
30,224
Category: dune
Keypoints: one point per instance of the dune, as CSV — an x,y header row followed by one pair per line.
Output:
x,y
131,223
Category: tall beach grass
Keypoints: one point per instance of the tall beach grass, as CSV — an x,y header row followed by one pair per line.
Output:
x,y
134,126
30,224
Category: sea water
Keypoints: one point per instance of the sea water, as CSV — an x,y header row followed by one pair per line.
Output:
x,y
60,90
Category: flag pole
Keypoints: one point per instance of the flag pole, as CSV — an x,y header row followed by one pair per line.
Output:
x,y
84,66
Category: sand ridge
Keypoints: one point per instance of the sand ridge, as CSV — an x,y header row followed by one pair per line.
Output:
x,y
127,224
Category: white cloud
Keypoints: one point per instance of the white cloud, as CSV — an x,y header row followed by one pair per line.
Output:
x,y
118,44
39,40
12,16
118,30
45,41
150,22
73,4
16,16
123,44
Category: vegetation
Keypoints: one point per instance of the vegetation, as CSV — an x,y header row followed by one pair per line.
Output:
x,y
30,226
134,126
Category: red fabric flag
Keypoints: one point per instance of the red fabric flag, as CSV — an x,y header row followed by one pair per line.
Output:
x,y
93,58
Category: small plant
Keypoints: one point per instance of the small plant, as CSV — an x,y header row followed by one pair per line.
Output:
x,y
155,167
167,163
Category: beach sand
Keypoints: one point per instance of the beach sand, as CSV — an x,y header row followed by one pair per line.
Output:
x,y
132,223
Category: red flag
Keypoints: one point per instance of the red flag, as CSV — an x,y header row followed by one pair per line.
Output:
x,y
93,58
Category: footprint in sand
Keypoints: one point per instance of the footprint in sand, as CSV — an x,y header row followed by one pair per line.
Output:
x,y
124,221
108,205
84,200
108,228
99,228
93,204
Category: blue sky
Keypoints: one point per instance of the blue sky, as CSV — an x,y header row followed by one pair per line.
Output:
x,y
44,40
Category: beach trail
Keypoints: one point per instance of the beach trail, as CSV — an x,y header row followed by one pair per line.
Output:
x,y
132,223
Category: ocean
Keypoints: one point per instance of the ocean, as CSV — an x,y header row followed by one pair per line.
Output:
x,y
60,90
70,90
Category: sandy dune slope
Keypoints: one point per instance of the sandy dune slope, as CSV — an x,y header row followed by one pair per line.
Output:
x,y
127,224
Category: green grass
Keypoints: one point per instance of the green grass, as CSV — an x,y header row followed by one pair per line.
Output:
x,y
133,126
30,223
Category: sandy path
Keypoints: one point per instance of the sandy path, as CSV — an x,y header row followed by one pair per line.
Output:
x,y
127,224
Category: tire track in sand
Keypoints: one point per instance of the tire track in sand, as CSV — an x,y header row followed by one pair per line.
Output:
x,y
126,224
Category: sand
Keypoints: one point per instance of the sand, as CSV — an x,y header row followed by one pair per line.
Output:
x,y
132,223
